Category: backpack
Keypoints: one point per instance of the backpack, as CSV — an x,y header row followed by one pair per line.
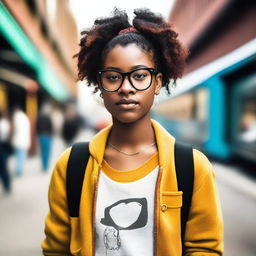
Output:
x,y
184,166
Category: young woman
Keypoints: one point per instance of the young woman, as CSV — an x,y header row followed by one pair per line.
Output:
x,y
130,204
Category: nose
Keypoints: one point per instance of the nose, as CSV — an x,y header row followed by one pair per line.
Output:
x,y
126,87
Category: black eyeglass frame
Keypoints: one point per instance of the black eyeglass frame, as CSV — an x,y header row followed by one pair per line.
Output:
x,y
124,74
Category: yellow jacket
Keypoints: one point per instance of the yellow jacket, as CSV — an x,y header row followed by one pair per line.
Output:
x,y
204,230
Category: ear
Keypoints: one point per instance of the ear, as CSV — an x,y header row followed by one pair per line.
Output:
x,y
158,83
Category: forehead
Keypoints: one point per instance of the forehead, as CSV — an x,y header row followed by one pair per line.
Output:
x,y
125,57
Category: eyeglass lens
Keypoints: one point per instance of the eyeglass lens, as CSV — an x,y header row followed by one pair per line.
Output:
x,y
140,79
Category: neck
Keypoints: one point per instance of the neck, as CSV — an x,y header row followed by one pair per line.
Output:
x,y
139,133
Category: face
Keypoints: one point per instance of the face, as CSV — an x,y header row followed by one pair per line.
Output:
x,y
128,105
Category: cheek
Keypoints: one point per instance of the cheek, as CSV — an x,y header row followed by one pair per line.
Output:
x,y
108,103
148,99
108,107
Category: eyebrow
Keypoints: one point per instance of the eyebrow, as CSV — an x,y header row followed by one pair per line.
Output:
x,y
133,67
115,68
138,66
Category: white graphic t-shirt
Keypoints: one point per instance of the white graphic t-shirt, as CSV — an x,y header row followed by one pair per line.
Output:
x,y
125,210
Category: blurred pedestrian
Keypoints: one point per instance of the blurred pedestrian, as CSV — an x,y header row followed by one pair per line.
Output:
x,y
21,139
71,125
5,151
57,120
44,128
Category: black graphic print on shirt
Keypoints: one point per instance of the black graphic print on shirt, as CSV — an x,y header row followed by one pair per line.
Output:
x,y
127,214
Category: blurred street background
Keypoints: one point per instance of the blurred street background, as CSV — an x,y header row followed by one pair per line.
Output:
x,y
43,109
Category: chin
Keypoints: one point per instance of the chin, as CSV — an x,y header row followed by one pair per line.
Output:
x,y
125,120
129,119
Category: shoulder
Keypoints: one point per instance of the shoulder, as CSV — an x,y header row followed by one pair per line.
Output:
x,y
61,165
63,158
200,160
202,167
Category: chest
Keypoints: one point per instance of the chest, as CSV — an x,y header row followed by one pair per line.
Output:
x,y
124,162
125,211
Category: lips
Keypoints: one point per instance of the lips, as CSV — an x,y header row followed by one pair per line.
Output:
x,y
126,102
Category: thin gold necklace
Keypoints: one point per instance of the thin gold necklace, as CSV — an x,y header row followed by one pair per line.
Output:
x,y
131,154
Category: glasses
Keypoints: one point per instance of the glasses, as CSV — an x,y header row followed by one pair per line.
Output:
x,y
111,80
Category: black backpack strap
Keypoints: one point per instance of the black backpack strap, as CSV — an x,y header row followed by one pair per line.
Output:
x,y
184,165
77,162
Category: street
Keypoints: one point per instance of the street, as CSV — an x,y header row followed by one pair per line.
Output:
x,y
23,211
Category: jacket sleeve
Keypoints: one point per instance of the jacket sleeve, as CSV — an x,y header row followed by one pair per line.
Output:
x,y
57,224
204,229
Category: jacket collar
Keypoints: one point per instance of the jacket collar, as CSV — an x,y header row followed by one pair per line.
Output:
x,y
165,143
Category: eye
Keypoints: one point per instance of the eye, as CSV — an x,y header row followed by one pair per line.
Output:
x,y
112,76
140,75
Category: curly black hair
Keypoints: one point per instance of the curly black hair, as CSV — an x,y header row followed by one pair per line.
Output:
x,y
155,35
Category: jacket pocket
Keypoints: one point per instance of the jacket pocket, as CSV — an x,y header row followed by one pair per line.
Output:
x,y
169,221
171,200
75,240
